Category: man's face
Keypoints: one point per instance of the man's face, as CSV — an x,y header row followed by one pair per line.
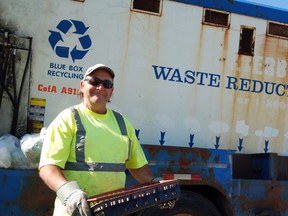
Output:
x,y
96,95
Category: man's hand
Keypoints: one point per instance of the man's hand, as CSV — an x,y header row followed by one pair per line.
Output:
x,y
167,205
74,199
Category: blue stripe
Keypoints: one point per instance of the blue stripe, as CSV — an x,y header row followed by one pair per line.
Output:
x,y
244,8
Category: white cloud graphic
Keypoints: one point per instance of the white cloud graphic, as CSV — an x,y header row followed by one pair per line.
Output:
x,y
192,124
218,127
268,132
242,128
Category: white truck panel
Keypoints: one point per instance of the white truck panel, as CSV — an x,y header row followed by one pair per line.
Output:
x,y
197,101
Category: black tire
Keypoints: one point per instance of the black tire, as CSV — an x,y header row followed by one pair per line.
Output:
x,y
189,204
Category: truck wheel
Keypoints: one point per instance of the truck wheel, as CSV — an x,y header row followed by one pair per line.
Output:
x,y
189,204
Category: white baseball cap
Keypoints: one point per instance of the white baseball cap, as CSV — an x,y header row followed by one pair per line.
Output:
x,y
97,67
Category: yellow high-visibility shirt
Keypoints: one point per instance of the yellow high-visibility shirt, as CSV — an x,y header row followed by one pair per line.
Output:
x,y
104,143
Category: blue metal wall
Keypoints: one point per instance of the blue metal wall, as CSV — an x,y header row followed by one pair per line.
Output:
x,y
24,193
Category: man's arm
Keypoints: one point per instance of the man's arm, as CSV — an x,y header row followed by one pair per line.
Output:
x,y
68,192
52,176
142,174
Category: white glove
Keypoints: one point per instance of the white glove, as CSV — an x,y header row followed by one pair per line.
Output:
x,y
74,199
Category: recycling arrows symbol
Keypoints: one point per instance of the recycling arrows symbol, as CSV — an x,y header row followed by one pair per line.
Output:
x,y
57,42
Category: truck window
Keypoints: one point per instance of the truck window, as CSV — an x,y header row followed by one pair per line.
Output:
x,y
277,30
147,6
247,40
216,18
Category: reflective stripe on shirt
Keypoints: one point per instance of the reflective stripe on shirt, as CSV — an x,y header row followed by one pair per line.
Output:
x,y
89,166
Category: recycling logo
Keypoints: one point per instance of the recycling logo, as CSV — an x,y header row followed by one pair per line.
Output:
x,y
67,29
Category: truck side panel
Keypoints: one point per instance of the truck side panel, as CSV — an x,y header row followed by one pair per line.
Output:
x,y
196,74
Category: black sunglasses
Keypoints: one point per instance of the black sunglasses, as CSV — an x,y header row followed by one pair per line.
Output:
x,y
96,81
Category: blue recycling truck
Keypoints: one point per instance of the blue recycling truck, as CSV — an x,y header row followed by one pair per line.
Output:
x,y
204,83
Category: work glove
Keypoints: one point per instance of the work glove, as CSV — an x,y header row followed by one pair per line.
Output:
x,y
74,199
166,205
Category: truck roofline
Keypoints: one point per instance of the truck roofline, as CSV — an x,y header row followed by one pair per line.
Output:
x,y
244,8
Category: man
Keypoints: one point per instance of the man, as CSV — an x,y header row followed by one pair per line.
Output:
x,y
88,147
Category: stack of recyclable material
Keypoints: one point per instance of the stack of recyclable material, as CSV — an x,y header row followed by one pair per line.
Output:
x,y
23,153
31,146
11,155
